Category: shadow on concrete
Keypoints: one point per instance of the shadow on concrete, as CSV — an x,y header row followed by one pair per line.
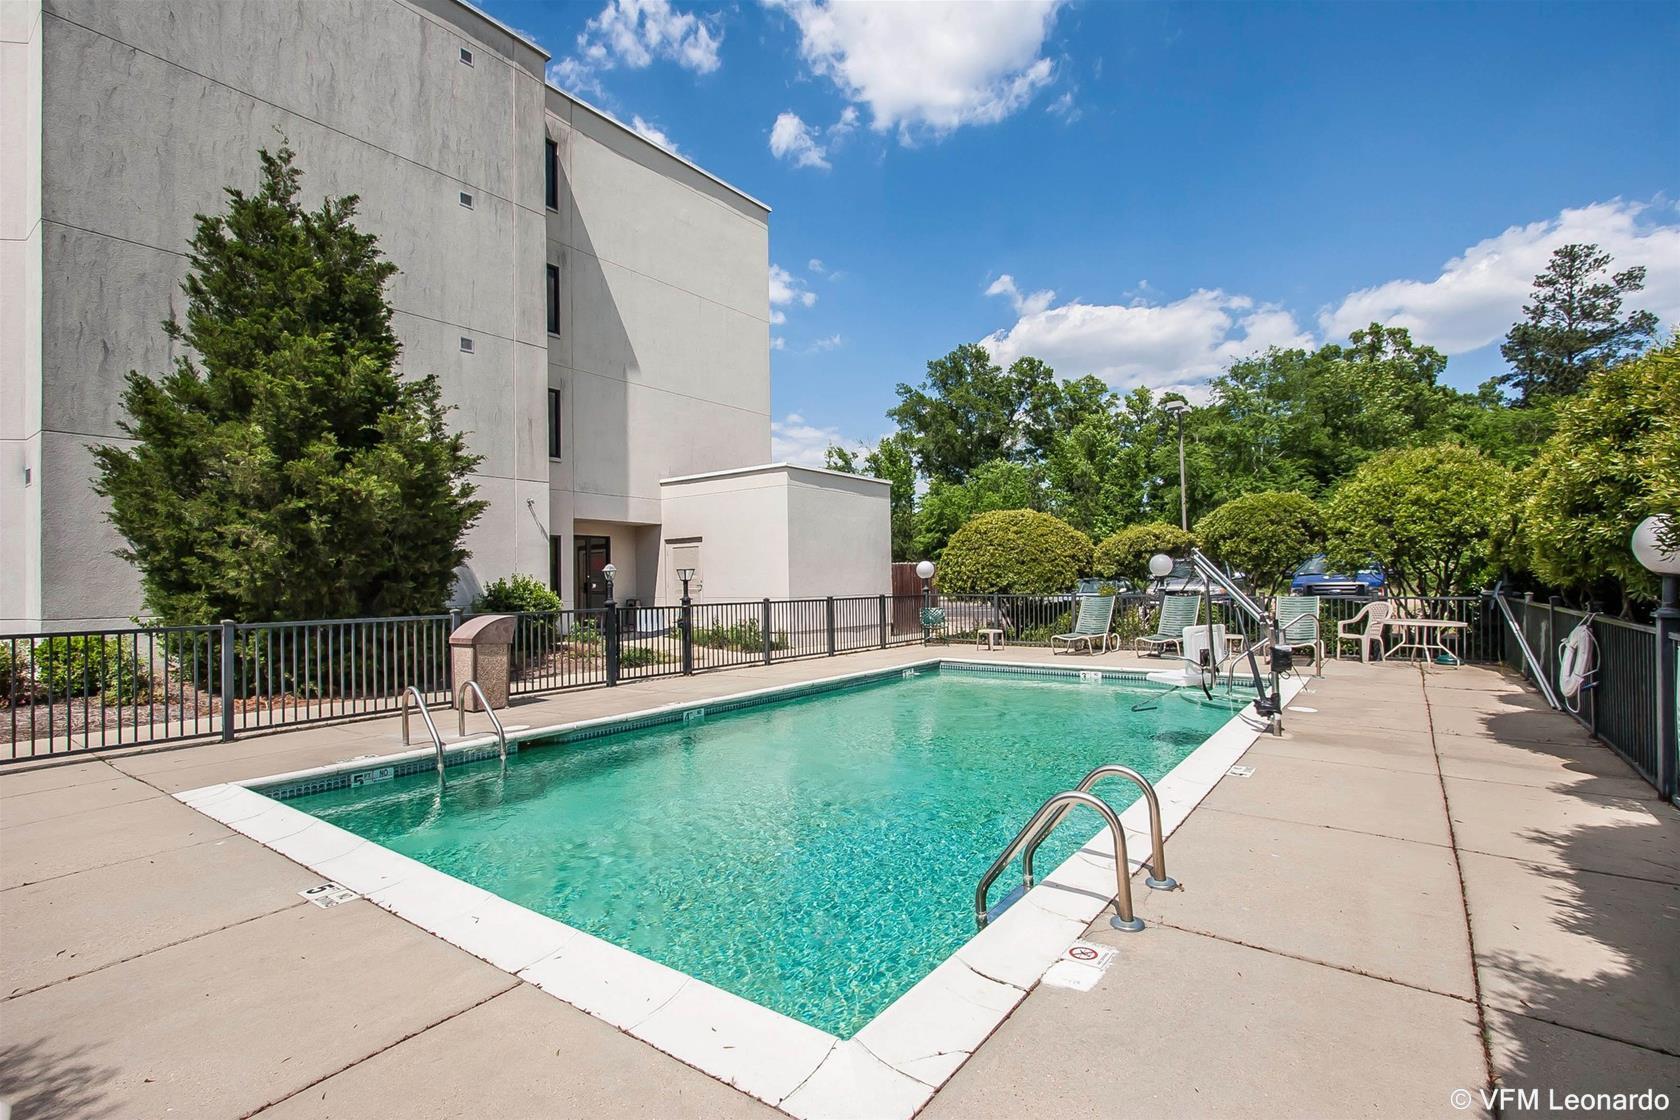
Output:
x,y
1603,1015
41,1082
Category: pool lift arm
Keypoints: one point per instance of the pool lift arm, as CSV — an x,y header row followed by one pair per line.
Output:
x,y
1280,658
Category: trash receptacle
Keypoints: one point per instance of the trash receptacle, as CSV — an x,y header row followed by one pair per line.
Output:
x,y
480,649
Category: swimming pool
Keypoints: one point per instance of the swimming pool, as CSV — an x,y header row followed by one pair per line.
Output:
x,y
816,856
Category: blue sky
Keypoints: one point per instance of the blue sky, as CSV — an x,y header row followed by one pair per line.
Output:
x,y
1144,191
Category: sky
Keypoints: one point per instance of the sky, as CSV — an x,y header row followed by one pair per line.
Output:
x,y
1143,191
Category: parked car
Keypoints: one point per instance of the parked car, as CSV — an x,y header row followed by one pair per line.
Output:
x,y
1101,586
1315,578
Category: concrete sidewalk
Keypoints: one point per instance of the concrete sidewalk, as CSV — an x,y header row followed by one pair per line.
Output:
x,y
1428,857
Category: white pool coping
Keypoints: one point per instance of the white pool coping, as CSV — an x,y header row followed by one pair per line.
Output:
x,y
888,1070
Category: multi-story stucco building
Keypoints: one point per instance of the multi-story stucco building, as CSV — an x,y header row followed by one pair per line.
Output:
x,y
595,307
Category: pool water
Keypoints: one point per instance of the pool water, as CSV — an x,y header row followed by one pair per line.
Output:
x,y
817,856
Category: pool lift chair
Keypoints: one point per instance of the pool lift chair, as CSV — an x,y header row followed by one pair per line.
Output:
x,y
1280,656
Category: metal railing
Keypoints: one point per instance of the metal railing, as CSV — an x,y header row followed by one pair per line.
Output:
x,y
1032,835
484,703
413,693
1619,705
1157,879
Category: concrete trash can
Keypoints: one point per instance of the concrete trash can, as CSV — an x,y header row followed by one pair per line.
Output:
x,y
480,650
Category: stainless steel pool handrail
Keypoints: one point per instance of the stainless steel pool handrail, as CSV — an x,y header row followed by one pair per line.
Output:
x,y
461,711
431,728
1157,879
1029,839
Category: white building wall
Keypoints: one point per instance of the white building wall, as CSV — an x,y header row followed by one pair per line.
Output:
x,y
142,112
20,315
780,531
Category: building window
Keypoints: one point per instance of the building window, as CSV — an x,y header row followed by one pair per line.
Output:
x,y
554,566
466,345
551,174
553,299
554,423
466,200
466,56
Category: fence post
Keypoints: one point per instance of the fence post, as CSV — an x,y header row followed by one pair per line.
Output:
x,y
764,630
883,604
225,685
1551,638
687,626
609,635
1667,637
831,626
454,619
997,611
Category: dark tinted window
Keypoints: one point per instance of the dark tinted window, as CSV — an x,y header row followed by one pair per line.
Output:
x,y
551,174
553,299
554,423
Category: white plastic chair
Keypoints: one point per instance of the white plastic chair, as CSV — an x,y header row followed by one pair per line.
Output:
x,y
1366,627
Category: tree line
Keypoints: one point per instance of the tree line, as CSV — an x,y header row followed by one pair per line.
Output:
x,y
1539,474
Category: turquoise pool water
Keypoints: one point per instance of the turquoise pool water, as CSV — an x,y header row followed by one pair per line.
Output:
x,y
817,856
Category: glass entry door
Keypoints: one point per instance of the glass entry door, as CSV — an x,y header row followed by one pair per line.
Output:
x,y
593,554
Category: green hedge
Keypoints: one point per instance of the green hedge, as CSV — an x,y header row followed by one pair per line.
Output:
x,y
1015,552
1125,555
516,594
73,665
1266,536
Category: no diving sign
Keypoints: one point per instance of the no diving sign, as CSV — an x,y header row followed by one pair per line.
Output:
x,y
1081,966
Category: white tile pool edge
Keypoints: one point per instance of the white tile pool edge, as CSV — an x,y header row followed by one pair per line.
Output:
x,y
889,1069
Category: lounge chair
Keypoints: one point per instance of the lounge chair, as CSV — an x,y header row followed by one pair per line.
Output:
x,y
1298,615
1177,612
1366,627
1096,615
933,622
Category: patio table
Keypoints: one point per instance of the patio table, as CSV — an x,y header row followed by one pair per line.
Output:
x,y
1425,636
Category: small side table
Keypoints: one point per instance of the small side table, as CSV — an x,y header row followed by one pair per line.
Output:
x,y
992,639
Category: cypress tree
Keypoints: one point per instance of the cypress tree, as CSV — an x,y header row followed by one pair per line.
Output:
x,y
283,469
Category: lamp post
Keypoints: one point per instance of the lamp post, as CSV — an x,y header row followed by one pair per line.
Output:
x,y
1176,409
686,574
1649,551
924,571
609,632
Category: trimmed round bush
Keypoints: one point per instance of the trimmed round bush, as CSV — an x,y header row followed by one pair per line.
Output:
x,y
1125,555
518,593
1266,536
1014,552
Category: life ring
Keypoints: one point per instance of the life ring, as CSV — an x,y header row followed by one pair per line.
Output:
x,y
1576,654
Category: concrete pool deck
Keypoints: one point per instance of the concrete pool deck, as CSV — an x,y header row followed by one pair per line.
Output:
x,y
1428,855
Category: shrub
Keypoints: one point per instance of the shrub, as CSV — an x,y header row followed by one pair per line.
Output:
x,y
1431,516
1125,555
1614,460
639,657
1266,535
74,665
518,593
1016,552
745,636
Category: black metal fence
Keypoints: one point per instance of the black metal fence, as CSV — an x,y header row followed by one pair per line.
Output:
x,y
1618,700
90,690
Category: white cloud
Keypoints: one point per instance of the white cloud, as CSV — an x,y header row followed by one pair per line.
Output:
x,y
793,439
1065,108
928,68
832,342
653,132
1479,294
815,265
791,139
1029,304
1176,345
777,342
787,290
633,34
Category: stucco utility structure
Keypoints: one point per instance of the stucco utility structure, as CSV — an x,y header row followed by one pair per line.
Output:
x,y
595,307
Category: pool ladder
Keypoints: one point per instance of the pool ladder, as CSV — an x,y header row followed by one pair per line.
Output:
x,y
412,692
1051,813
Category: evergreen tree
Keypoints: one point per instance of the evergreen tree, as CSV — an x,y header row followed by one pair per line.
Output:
x,y
1574,324
283,469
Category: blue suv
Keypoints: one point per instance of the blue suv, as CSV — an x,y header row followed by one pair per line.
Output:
x,y
1315,578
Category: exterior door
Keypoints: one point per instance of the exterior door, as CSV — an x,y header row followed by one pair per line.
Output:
x,y
593,554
